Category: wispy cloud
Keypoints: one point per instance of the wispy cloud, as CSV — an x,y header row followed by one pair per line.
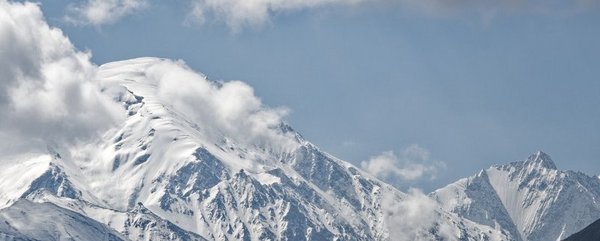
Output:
x,y
240,14
413,163
102,12
349,143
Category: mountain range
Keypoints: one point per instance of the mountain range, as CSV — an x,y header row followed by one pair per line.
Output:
x,y
164,175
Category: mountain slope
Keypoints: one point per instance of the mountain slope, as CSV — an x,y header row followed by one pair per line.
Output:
x,y
170,171
531,200
25,220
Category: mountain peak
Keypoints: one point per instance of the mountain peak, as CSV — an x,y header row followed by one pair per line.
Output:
x,y
541,159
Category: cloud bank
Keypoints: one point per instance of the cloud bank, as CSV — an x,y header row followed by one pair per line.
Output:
x,y
46,91
413,163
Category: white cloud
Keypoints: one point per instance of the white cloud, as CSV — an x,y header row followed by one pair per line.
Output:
x,y
411,217
47,93
49,96
221,109
413,163
101,12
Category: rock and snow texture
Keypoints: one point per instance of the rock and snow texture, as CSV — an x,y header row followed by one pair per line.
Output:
x,y
26,220
530,200
189,164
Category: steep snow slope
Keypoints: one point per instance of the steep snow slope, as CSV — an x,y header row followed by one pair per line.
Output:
x,y
29,167
168,172
25,220
531,200
475,199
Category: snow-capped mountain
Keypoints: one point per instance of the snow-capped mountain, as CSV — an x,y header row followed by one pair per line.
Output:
x,y
530,200
161,175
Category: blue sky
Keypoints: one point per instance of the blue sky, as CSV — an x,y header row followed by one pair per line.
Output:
x,y
471,89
